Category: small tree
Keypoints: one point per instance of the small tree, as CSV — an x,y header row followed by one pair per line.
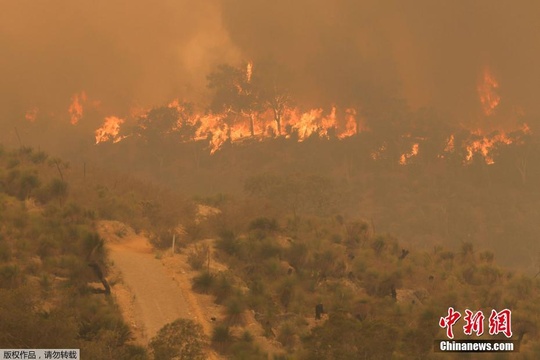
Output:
x,y
182,339
234,94
273,81
58,189
221,337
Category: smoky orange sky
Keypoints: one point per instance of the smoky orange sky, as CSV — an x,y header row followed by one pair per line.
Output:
x,y
142,53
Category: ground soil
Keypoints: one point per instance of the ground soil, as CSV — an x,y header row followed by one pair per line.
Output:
x,y
153,288
150,294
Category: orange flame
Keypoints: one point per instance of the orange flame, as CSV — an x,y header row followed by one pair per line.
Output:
x,y
306,124
449,144
212,128
31,115
76,107
405,157
219,128
487,92
313,122
350,125
377,154
233,126
109,130
525,128
484,147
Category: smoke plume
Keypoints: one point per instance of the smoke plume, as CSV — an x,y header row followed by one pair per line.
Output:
x,y
351,53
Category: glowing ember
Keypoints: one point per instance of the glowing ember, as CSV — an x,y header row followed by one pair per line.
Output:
x,y
31,115
175,104
350,124
525,128
109,130
76,107
376,155
137,111
449,148
487,92
449,144
405,157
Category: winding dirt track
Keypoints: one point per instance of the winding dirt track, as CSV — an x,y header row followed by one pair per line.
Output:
x,y
149,296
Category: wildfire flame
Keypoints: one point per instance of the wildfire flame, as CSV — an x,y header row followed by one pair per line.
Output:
x,y
221,128
485,145
31,115
314,122
487,90
350,124
109,130
213,128
235,125
76,107
405,157
525,129
450,144
376,155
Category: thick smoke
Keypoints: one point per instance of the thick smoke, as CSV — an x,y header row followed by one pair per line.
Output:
x,y
122,53
349,53
429,52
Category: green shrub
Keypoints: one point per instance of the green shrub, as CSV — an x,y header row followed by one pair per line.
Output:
x,y
378,245
264,223
381,285
194,231
203,282
47,247
162,239
199,256
13,162
223,288
287,335
56,189
221,337
182,339
10,276
5,251
28,182
235,306
228,242
39,157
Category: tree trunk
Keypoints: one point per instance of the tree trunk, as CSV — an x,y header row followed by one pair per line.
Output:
x,y
522,168
277,118
252,124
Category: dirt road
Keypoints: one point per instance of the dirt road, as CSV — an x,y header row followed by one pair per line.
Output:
x,y
150,295
156,298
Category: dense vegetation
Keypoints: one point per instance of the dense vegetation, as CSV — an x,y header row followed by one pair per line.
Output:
x,y
50,291
431,200
46,245
381,300
292,242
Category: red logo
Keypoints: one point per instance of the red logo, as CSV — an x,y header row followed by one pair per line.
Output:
x,y
449,321
499,322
